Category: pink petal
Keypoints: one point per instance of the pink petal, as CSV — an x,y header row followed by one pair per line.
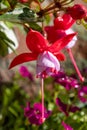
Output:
x,y
47,64
36,42
60,44
25,57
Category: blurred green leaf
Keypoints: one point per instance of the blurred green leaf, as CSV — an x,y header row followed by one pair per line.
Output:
x,y
84,23
5,42
35,26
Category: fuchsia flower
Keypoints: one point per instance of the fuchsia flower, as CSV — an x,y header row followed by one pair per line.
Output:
x,y
34,114
47,56
62,24
66,126
61,28
65,108
82,94
25,72
77,11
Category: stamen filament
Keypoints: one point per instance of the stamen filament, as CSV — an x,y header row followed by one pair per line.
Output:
x,y
75,65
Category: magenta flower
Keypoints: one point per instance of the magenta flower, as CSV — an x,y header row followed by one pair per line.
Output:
x,y
39,48
66,126
24,72
82,94
78,11
65,108
34,114
66,81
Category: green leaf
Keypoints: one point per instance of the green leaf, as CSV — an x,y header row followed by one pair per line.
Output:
x,y
3,48
28,15
13,111
35,26
10,18
5,38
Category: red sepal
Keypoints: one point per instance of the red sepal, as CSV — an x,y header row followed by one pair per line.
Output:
x,y
60,56
36,42
25,57
60,44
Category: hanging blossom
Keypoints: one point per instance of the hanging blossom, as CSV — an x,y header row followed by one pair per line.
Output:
x,y
34,114
78,11
24,72
65,108
66,126
61,28
47,56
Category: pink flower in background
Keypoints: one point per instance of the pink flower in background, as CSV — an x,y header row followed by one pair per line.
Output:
x,y
65,108
82,94
34,114
23,70
43,53
66,81
66,126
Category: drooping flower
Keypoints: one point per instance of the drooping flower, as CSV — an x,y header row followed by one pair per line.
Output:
x,y
82,94
64,23
65,108
23,70
62,26
34,114
78,11
43,53
66,81
66,126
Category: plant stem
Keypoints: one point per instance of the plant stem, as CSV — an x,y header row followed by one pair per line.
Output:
x,y
75,65
42,94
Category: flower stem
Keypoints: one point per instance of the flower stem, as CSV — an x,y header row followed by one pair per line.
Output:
x,y
75,65
42,94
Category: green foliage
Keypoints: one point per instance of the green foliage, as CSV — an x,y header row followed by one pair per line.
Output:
x,y
12,100
5,42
